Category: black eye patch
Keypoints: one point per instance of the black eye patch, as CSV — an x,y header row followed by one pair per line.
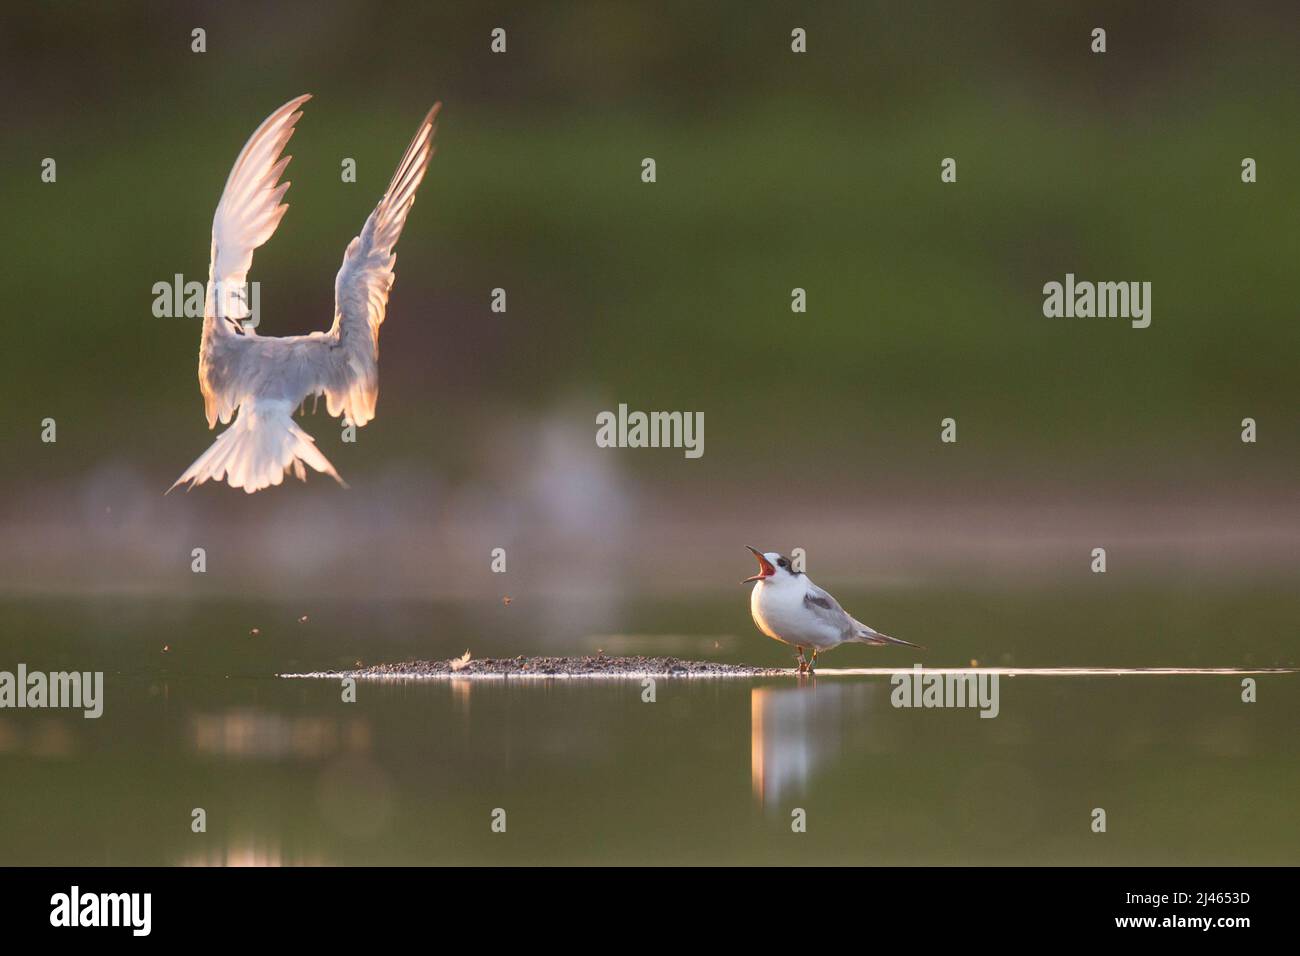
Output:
x,y
783,563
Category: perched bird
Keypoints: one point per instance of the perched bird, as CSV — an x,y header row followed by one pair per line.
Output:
x,y
261,380
790,608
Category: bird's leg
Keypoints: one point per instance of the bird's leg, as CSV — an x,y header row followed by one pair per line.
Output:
x,y
812,662
803,665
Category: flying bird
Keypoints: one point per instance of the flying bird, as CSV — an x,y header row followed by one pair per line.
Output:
x,y
788,607
260,380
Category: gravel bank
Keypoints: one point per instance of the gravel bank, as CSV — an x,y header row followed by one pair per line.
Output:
x,y
524,667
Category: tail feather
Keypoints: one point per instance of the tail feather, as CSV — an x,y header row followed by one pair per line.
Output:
x,y
870,636
256,451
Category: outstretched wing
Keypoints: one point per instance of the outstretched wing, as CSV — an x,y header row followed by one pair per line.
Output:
x,y
248,213
364,280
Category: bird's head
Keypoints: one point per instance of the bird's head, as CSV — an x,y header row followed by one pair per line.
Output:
x,y
770,565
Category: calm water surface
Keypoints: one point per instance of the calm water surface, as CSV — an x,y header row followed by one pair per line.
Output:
x,y
709,773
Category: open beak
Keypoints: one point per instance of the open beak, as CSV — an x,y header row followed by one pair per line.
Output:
x,y
765,569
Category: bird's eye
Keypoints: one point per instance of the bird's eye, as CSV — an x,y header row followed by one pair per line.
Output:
x,y
782,563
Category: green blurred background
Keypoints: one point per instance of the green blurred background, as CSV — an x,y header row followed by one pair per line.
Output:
x,y
775,171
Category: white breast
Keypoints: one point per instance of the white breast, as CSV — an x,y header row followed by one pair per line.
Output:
x,y
780,613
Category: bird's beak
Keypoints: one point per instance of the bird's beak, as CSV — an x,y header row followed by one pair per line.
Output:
x,y
765,569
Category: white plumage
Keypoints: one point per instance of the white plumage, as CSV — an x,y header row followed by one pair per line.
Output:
x,y
788,607
261,380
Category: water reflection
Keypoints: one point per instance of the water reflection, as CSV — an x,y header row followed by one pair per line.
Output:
x,y
250,851
460,691
795,732
245,733
47,737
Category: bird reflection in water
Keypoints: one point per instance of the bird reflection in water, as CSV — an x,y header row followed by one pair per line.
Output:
x,y
246,733
460,689
795,732
248,851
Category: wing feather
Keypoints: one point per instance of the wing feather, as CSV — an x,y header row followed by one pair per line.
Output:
x,y
248,213
827,610
364,280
